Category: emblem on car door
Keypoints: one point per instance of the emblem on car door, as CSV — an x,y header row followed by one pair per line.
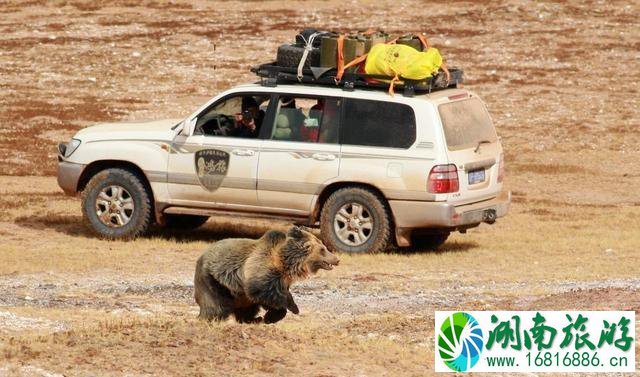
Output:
x,y
211,166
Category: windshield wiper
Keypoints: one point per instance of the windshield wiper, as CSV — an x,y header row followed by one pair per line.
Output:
x,y
480,143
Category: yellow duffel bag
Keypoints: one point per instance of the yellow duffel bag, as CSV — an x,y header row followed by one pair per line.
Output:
x,y
401,61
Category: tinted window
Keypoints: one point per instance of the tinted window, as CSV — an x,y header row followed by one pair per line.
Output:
x,y
309,120
378,124
466,123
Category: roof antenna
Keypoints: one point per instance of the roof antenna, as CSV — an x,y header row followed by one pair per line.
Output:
x,y
215,79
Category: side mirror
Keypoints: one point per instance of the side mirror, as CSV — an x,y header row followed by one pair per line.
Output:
x,y
177,129
184,127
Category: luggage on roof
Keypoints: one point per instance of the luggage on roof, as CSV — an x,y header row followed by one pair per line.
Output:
x,y
366,59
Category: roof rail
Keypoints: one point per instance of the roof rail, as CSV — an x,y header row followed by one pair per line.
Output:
x,y
271,75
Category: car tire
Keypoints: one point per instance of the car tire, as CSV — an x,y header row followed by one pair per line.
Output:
x,y
184,222
428,242
290,56
355,220
117,205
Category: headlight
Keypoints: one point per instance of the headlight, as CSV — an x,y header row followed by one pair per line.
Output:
x,y
67,149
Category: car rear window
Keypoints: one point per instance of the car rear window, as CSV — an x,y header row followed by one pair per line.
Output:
x,y
378,124
466,123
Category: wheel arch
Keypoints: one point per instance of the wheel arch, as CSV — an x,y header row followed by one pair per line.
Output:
x,y
97,166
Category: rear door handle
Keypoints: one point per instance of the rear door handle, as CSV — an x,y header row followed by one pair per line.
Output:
x,y
243,152
323,156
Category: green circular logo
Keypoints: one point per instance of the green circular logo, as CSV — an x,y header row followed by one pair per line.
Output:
x,y
460,341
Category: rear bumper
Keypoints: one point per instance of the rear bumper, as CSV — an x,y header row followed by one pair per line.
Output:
x,y
68,176
414,214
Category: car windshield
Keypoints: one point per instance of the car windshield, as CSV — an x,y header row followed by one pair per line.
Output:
x,y
466,123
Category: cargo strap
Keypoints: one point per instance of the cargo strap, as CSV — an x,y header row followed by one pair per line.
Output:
x,y
446,72
340,55
307,48
368,32
423,40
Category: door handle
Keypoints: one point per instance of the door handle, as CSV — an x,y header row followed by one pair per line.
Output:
x,y
243,152
323,156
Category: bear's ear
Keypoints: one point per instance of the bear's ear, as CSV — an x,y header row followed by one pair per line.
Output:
x,y
295,232
274,237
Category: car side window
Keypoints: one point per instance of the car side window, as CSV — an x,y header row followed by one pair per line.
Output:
x,y
235,116
307,119
378,124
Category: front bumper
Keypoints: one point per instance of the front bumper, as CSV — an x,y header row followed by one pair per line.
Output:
x,y
68,176
414,214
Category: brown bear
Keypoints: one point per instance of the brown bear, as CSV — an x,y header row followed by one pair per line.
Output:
x,y
238,275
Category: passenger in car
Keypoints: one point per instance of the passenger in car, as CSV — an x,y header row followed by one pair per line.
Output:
x,y
248,123
311,127
329,123
294,119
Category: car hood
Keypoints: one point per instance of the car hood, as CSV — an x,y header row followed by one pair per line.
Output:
x,y
150,130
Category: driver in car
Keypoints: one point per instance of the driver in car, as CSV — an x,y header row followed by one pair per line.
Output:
x,y
249,121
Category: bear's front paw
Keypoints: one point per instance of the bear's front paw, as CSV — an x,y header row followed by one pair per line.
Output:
x,y
274,315
293,308
291,304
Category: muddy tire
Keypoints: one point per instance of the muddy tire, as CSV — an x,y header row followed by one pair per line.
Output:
x,y
428,242
117,205
290,55
184,222
355,220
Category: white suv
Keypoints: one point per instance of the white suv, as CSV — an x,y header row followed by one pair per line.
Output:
x,y
368,168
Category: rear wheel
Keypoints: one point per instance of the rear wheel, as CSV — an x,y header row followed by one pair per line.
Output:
x,y
355,220
184,222
116,204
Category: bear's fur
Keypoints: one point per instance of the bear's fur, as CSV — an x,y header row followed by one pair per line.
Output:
x,y
237,276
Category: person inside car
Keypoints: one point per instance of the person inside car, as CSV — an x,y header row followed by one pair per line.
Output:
x,y
310,130
294,117
249,121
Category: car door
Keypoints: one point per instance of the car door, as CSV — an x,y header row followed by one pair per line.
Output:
x,y
300,153
216,165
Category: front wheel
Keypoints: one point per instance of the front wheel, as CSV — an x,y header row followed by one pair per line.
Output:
x,y
117,205
355,220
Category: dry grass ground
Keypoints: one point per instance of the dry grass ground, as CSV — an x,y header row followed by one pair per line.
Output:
x,y
560,78
77,305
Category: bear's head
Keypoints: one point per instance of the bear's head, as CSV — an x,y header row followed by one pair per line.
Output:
x,y
303,253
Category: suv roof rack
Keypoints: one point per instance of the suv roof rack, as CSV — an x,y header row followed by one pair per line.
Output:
x,y
271,75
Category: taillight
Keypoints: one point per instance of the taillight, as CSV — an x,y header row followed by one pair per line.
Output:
x,y
501,168
443,179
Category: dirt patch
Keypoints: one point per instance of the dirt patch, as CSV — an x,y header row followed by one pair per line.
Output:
x,y
609,298
11,323
548,168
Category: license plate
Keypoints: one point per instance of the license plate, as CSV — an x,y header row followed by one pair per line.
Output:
x,y
476,176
